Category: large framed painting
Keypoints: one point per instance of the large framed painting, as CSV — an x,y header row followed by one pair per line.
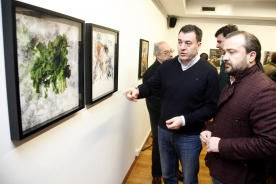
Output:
x,y
267,56
44,62
215,57
143,57
101,62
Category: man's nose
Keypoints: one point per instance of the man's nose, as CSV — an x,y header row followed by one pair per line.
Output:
x,y
183,46
225,57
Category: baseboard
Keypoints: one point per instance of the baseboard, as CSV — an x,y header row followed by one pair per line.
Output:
x,y
138,150
135,160
129,171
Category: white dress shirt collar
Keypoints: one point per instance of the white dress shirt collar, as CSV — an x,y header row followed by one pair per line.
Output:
x,y
190,64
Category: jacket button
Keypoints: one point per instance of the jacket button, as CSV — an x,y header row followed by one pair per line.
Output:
x,y
245,165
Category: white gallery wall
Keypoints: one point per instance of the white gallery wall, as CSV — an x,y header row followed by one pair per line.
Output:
x,y
262,29
96,145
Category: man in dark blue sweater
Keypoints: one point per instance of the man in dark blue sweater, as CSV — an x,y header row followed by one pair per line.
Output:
x,y
189,89
163,52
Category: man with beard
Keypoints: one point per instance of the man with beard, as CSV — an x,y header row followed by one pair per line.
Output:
x,y
220,35
242,137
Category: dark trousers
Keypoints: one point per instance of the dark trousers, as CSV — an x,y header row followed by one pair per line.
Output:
x,y
156,163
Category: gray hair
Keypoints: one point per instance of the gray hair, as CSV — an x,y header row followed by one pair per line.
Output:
x,y
157,47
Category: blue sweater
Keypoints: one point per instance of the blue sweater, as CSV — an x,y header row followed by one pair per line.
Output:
x,y
192,93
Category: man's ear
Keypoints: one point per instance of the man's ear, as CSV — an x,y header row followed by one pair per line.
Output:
x,y
157,56
252,56
198,45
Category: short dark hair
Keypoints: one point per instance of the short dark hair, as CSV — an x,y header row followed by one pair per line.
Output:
x,y
226,30
192,28
204,56
251,43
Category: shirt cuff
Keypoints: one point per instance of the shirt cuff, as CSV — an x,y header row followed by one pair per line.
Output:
x,y
183,120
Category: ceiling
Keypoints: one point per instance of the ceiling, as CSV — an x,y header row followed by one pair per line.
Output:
x,y
239,9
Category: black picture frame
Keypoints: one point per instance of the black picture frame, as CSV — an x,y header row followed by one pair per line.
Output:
x,y
44,64
101,62
143,57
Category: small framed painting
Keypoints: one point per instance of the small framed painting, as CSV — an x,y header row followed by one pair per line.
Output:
x,y
215,57
143,57
267,56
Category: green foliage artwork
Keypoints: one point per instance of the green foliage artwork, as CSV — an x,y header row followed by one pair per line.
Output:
x,y
48,67
51,65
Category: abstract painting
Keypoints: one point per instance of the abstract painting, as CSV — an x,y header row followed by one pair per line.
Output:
x,y
101,62
48,60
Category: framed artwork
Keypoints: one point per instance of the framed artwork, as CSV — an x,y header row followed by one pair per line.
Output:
x,y
154,50
44,62
143,57
215,57
101,62
267,56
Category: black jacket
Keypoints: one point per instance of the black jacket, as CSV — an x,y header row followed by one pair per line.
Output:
x,y
154,101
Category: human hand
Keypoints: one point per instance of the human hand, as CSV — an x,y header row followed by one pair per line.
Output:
x,y
204,136
174,123
131,94
212,144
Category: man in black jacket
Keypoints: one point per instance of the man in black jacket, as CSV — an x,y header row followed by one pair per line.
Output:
x,y
162,51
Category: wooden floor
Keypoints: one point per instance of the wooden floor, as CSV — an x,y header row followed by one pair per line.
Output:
x,y
141,170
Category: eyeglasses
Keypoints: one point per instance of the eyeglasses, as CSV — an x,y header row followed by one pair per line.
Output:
x,y
166,52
